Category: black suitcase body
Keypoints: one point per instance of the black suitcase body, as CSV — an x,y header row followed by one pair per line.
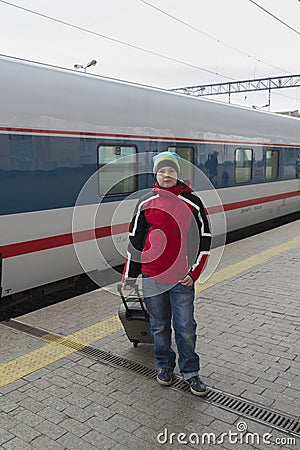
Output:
x,y
134,317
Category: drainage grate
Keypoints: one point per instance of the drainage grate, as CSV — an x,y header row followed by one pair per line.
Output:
x,y
237,405
23,327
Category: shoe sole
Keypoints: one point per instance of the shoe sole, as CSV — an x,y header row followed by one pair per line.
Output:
x,y
199,394
164,383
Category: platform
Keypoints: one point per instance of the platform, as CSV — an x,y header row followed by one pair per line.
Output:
x,y
67,381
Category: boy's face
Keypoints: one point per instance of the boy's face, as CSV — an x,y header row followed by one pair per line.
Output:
x,y
166,177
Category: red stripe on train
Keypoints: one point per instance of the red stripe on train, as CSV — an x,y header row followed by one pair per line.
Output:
x,y
135,136
252,202
36,245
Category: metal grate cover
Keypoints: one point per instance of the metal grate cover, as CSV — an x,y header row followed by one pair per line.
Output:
x,y
245,408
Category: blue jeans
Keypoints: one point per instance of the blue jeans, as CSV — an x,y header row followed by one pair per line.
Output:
x,y
167,303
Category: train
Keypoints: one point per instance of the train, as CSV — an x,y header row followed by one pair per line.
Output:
x,y
75,146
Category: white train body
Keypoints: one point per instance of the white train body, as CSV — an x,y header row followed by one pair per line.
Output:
x,y
56,125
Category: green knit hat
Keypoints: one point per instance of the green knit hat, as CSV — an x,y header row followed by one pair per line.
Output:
x,y
166,159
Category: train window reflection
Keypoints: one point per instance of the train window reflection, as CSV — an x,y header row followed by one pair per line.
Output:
x,y
272,164
243,165
186,154
120,177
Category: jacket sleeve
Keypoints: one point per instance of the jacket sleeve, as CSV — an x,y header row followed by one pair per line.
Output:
x,y
137,234
204,239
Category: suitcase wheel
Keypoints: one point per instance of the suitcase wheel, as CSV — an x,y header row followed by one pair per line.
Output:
x,y
135,343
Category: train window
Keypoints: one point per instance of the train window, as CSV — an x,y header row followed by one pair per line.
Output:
x,y
187,154
243,165
272,164
120,177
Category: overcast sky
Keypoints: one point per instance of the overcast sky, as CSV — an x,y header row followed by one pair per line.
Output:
x,y
235,40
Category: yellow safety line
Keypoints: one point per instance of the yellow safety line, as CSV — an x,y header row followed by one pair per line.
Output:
x,y
246,264
30,362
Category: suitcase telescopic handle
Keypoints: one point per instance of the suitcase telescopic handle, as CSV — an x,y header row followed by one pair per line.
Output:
x,y
135,287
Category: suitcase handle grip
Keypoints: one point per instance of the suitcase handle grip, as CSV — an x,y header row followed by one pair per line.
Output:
x,y
135,287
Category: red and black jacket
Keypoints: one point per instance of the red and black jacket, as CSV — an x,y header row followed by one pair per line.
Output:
x,y
169,236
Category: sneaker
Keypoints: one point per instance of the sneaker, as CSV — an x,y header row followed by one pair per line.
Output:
x,y
197,386
165,376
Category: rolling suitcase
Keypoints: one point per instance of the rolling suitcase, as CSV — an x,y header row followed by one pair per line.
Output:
x,y
134,317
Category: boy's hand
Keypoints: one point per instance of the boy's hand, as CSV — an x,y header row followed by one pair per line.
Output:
x,y
187,281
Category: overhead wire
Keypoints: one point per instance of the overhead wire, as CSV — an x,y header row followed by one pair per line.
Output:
x,y
136,47
217,40
286,25
275,17
192,27
118,41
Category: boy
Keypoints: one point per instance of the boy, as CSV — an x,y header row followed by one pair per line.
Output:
x,y
169,243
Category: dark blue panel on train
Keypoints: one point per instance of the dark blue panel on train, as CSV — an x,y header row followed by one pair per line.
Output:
x,y
42,172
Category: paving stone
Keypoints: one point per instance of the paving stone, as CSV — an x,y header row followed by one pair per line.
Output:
x,y
31,404
101,399
52,414
123,397
269,385
45,443
79,379
123,422
75,427
5,436
98,440
37,374
101,425
218,413
77,400
126,378
145,407
98,386
287,405
13,386
121,408
63,372
128,440
83,371
99,411
56,364
102,369
78,413
74,356
235,389
25,432
7,422
55,403
155,423
7,405
86,362
71,442
50,429
17,444
29,418
126,388
57,391
14,396
147,435
59,381
38,394
119,447
80,390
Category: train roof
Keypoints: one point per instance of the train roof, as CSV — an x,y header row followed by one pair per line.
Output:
x,y
42,97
